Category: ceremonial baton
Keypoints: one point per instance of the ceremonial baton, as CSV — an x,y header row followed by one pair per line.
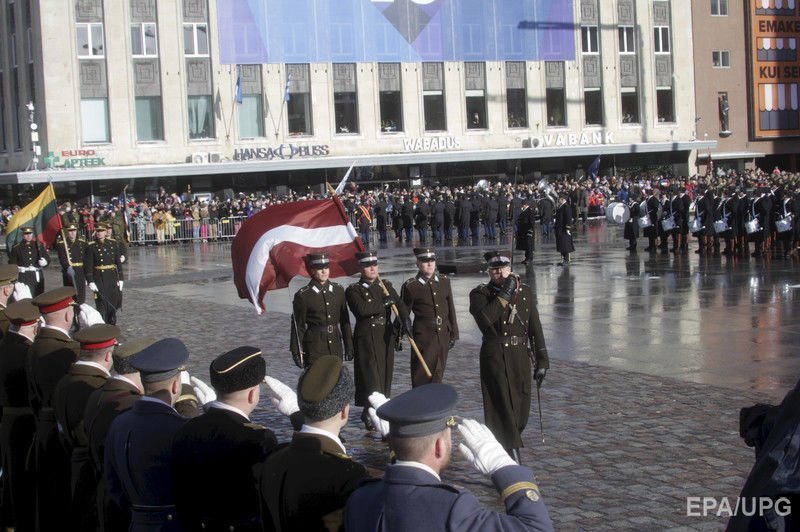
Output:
x,y
411,341
297,338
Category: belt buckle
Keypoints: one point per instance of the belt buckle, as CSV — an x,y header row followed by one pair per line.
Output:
x,y
514,340
330,329
438,320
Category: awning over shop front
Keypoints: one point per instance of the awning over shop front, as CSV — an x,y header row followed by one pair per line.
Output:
x,y
104,173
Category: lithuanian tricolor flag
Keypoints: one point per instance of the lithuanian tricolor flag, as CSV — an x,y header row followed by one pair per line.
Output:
x,y
41,214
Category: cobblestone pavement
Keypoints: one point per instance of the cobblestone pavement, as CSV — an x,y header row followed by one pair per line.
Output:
x,y
628,435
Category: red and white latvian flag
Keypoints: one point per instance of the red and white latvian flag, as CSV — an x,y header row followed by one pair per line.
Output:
x,y
270,247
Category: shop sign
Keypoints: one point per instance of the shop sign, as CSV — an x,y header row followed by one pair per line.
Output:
x,y
431,144
284,152
73,159
573,139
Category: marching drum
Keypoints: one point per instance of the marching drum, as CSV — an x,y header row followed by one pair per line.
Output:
x,y
720,226
618,213
668,224
697,225
784,224
752,226
645,222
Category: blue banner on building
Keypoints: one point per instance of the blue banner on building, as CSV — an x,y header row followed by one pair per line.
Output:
x,y
337,31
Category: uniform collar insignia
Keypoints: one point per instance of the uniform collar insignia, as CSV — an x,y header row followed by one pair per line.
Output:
x,y
365,284
315,289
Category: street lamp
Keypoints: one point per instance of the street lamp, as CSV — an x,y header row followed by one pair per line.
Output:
x,y
37,150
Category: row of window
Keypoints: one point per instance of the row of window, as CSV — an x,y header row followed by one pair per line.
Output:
x,y
626,37
144,40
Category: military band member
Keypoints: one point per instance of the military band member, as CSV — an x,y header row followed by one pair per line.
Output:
x,y
30,256
505,311
653,204
412,496
631,230
320,323
305,485
138,455
680,208
429,296
70,254
52,354
374,335
16,431
102,265
72,393
563,230
117,395
8,276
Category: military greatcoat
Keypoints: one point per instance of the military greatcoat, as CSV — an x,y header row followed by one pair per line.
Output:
x,y
431,301
102,265
374,338
70,254
26,255
505,365
321,321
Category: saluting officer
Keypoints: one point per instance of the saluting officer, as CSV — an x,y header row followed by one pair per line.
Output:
x,y
102,265
429,296
70,254
214,453
320,323
16,431
505,311
52,354
374,334
305,485
72,393
30,256
8,276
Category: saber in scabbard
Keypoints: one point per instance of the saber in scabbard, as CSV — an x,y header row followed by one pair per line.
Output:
x,y
539,400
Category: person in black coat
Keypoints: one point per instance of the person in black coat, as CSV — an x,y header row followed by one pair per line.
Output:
x,y
741,216
761,209
525,232
492,209
502,212
422,218
680,210
30,256
381,217
475,216
407,215
305,484
653,205
449,218
546,209
563,229
464,214
631,230
437,219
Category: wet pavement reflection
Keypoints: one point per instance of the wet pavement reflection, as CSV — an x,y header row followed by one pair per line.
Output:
x,y
709,320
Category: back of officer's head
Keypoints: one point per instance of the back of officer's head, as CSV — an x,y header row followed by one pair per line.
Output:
x,y
324,393
159,365
237,375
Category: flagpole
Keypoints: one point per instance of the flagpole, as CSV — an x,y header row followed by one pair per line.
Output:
x,y
396,312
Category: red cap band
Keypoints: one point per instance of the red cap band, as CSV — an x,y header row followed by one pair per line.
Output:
x,y
100,345
64,303
25,323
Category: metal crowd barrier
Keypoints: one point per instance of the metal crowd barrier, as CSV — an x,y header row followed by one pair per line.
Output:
x,y
185,230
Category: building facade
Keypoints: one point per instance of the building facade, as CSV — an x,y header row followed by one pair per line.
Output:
x,y
156,91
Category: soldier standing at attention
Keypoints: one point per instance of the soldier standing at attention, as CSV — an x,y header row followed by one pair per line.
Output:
x,y
320,323
30,256
505,311
102,265
374,335
18,425
72,393
429,296
70,254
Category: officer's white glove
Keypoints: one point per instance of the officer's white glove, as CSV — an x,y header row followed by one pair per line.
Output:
x,y
93,287
42,263
377,399
283,397
122,258
481,448
21,291
120,283
88,316
205,394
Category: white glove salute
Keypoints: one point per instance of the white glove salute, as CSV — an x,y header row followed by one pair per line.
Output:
x,y
120,283
88,316
481,448
93,287
205,394
42,263
377,400
283,397
21,291
122,258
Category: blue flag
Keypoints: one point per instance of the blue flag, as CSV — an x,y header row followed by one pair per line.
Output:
x,y
594,168
239,96
286,95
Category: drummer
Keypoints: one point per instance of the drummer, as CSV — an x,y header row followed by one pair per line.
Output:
x,y
631,232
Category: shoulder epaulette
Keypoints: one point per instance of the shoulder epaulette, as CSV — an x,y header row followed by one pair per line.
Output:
x,y
92,243
303,289
254,426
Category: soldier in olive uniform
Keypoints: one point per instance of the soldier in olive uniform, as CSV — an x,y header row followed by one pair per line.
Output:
x,y
70,255
505,311
116,395
49,359
8,276
18,425
305,485
374,335
429,296
320,320
102,265
86,375
214,454
30,256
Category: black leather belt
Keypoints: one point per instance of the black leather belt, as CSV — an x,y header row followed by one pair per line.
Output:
x,y
377,320
437,320
330,329
507,340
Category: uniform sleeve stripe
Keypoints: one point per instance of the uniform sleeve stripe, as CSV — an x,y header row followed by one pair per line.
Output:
x,y
519,486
